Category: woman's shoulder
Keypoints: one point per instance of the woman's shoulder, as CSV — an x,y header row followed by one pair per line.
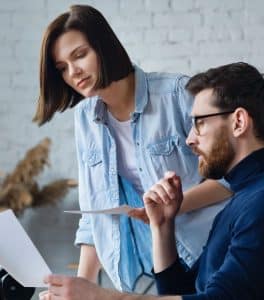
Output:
x,y
87,104
166,82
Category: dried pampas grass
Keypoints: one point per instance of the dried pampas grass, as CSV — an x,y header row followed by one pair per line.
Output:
x,y
20,190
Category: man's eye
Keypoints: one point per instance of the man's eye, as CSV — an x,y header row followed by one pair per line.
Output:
x,y
199,122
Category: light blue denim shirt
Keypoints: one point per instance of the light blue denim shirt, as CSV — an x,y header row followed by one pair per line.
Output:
x,y
160,124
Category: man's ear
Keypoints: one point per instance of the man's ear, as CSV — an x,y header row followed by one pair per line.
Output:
x,y
241,121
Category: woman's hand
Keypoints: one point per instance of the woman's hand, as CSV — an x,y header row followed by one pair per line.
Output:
x,y
139,214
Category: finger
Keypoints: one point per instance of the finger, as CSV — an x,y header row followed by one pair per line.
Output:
x,y
176,181
55,289
178,190
169,188
136,212
49,296
161,191
54,279
44,295
172,178
55,297
151,196
139,214
169,174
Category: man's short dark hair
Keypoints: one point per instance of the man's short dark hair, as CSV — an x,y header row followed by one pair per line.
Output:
x,y
55,94
234,85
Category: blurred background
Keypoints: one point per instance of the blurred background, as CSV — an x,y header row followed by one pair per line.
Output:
x,y
160,35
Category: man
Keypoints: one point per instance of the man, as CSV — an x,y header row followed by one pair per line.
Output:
x,y
228,137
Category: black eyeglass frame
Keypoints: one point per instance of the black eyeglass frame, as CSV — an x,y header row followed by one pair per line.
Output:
x,y
195,118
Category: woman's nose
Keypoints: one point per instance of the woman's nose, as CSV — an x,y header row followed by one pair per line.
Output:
x,y
74,70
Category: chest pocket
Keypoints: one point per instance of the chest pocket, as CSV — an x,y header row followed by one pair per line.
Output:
x,y
93,172
171,154
164,147
91,158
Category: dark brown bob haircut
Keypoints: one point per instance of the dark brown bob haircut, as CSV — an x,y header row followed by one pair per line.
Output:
x,y
55,94
234,85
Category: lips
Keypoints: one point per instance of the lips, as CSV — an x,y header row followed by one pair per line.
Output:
x,y
81,83
195,151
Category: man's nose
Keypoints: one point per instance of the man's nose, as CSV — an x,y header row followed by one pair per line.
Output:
x,y
191,138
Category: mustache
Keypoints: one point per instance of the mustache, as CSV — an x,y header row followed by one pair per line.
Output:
x,y
196,151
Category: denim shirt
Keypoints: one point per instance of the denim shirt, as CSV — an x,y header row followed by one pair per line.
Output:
x,y
160,124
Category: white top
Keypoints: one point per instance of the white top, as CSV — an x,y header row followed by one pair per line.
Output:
x,y
126,160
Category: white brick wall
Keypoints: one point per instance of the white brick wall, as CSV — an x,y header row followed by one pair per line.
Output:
x,y
160,35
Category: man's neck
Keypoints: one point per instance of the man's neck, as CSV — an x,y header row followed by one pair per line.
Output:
x,y
244,149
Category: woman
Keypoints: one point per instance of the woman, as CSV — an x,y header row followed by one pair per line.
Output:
x,y
130,128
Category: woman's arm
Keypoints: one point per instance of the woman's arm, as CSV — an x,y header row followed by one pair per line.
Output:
x,y
206,193
89,264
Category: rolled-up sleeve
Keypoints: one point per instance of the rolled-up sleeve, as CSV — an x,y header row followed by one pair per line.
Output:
x,y
84,233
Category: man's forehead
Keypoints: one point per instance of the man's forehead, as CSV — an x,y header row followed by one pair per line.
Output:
x,y
203,102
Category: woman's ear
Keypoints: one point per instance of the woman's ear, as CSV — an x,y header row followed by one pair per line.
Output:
x,y
240,121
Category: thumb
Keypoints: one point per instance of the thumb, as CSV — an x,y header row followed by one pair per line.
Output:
x,y
170,175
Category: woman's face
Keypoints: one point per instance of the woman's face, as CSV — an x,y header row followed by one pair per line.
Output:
x,y
77,62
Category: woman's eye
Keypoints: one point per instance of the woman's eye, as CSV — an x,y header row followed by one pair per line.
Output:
x,y
61,69
80,54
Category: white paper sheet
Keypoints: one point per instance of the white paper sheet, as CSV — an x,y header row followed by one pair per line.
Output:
x,y
18,255
123,209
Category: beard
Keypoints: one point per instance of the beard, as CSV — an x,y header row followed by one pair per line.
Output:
x,y
215,164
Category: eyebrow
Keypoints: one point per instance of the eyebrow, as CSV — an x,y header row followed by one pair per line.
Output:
x,y
72,53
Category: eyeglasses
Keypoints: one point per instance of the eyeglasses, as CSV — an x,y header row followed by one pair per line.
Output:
x,y
198,125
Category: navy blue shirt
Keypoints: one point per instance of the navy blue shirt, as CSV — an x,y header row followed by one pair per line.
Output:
x,y
232,263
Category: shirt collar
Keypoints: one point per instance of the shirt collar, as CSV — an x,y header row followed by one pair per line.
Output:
x,y
99,111
140,98
252,165
141,90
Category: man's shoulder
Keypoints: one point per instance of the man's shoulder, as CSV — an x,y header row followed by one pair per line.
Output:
x,y
250,202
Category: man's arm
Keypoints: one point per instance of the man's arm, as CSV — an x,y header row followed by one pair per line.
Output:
x,y
73,288
161,217
162,203
164,246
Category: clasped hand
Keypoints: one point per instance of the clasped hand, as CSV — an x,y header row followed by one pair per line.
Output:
x,y
162,202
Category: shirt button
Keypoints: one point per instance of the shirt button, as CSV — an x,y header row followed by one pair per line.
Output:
x,y
188,258
137,143
140,169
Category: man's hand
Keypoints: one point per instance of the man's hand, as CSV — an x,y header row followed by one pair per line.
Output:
x,y
70,288
163,200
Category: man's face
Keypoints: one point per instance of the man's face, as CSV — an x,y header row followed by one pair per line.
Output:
x,y
210,138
